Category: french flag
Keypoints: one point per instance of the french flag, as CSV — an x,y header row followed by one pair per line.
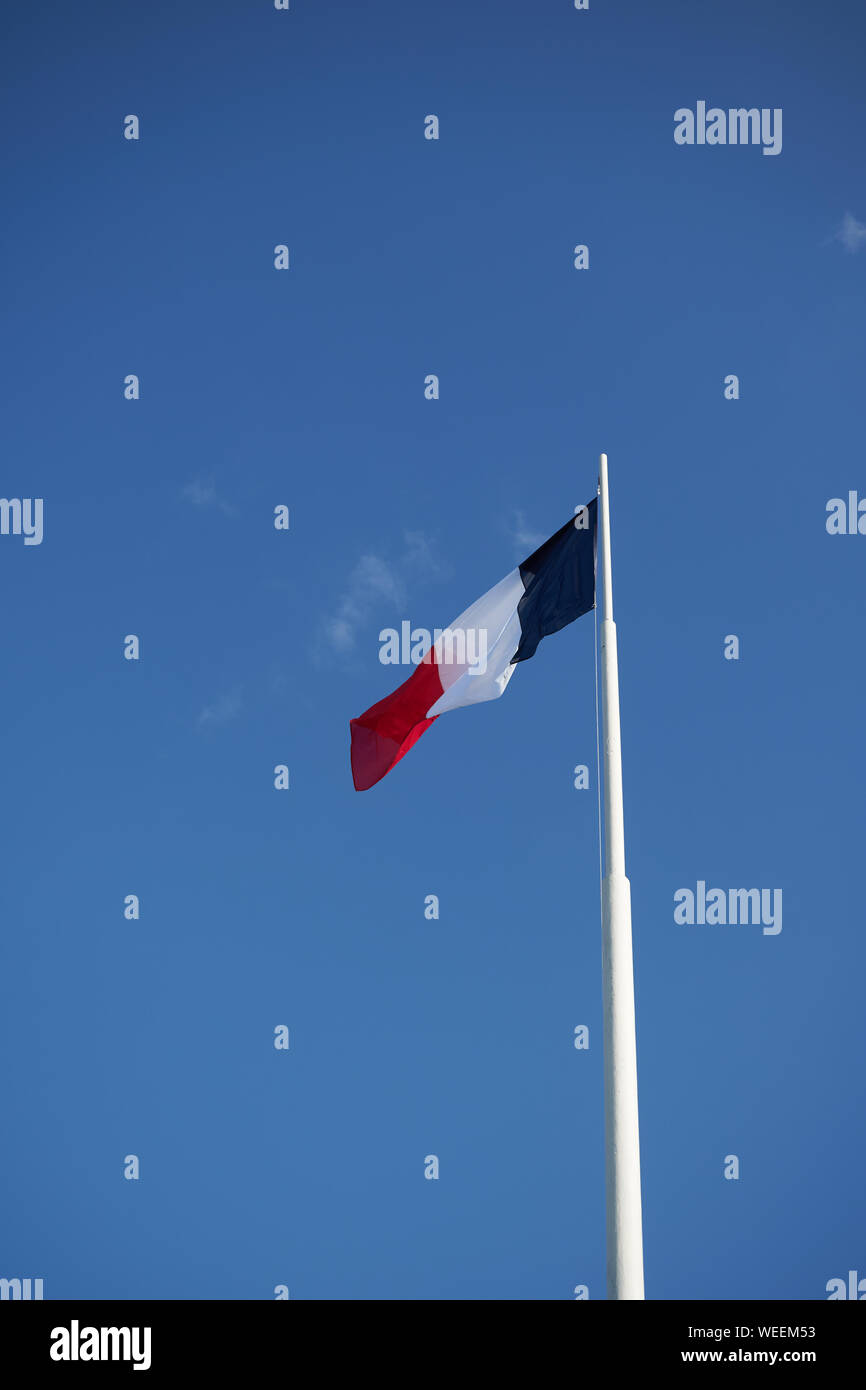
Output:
x,y
474,659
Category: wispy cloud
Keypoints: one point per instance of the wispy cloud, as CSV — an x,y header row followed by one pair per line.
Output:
x,y
201,492
851,233
371,581
523,538
418,556
376,583
221,711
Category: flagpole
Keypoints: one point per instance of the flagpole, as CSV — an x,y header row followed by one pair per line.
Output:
x,y
622,1144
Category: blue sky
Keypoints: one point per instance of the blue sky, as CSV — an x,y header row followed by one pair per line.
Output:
x,y
305,387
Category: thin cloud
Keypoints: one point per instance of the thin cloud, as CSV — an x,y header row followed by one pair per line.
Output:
x,y
372,581
202,493
221,711
418,557
852,233
377,583
523,538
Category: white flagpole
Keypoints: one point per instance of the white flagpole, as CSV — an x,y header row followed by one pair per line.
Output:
x,y
622,1144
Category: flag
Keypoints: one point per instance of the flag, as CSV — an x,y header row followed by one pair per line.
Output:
x,y
474,659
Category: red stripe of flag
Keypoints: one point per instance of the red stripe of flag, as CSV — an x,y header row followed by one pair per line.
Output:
x,y
386,731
